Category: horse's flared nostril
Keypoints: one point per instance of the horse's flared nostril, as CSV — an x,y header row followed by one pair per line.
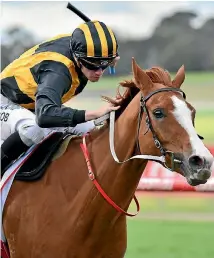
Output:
x,y
196,162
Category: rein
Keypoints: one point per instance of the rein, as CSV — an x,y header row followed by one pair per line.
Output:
x,y
161,159
99,188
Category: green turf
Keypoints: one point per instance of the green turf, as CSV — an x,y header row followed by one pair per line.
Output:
x,y
199,92
204,123
192,78
174,204
164,239
171,239
199,78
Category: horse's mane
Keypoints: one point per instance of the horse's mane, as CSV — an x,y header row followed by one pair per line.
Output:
x,y
130,92
156,74
159,75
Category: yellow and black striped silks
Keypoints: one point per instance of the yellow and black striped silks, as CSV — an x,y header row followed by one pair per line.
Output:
x,y
19,80
94,39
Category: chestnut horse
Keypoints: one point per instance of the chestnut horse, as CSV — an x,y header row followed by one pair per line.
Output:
x,y
64,215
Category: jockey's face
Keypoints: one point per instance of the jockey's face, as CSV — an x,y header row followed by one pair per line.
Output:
x,y
93,71
92,75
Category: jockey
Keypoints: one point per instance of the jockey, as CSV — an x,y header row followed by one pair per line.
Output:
x,y
34,87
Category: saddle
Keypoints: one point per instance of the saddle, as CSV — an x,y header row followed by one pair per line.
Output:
x,y
42,155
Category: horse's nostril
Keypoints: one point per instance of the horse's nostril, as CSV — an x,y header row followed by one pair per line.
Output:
x,y
196,161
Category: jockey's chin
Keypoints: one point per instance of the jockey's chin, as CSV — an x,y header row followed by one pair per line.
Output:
x,y
94,79
91,75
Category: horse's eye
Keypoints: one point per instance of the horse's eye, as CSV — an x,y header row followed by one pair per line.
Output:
x,y
158,113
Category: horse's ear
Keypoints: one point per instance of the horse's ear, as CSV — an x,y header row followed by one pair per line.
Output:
x,y
179,77
141,79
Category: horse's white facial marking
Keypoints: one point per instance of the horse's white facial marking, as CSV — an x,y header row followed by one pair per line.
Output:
x,y
183,115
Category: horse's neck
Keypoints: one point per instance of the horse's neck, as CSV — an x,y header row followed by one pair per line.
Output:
x,y
119,180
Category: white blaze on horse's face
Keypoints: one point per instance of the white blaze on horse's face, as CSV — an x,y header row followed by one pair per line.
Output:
x,y
183,115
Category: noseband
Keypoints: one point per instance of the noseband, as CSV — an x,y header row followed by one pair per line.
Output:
x,y
143,109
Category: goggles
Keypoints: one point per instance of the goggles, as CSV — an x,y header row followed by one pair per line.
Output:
x,y
93,64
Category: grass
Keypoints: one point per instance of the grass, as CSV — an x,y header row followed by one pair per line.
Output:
x,y
199,78
192,78
171,239
204,124
174,239
170,202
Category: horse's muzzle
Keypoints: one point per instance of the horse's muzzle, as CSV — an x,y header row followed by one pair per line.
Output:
x,y
196,169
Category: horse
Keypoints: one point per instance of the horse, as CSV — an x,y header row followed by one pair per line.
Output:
x,y
64,213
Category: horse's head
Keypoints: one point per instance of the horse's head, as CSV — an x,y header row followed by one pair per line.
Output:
x,y
170,119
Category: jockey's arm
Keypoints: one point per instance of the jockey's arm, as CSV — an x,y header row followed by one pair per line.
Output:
x,y
48,105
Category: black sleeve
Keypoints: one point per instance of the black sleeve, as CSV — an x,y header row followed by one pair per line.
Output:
x,y
48,106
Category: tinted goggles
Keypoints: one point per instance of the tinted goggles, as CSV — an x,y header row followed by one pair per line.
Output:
x,y
96,64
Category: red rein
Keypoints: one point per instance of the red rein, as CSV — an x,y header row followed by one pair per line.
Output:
x,y
99,188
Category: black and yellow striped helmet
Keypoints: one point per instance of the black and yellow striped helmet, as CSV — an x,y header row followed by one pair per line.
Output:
x,y
94,40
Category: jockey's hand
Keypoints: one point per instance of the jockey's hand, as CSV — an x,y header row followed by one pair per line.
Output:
x,y
107,109
90,115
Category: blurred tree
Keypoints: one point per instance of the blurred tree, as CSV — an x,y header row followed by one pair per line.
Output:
x,y
174,42
175,25
5,53
15,41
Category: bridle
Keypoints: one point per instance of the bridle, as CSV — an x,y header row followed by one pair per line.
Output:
x,y
144,109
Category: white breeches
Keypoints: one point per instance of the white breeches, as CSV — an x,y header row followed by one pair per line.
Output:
x,y
16,118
